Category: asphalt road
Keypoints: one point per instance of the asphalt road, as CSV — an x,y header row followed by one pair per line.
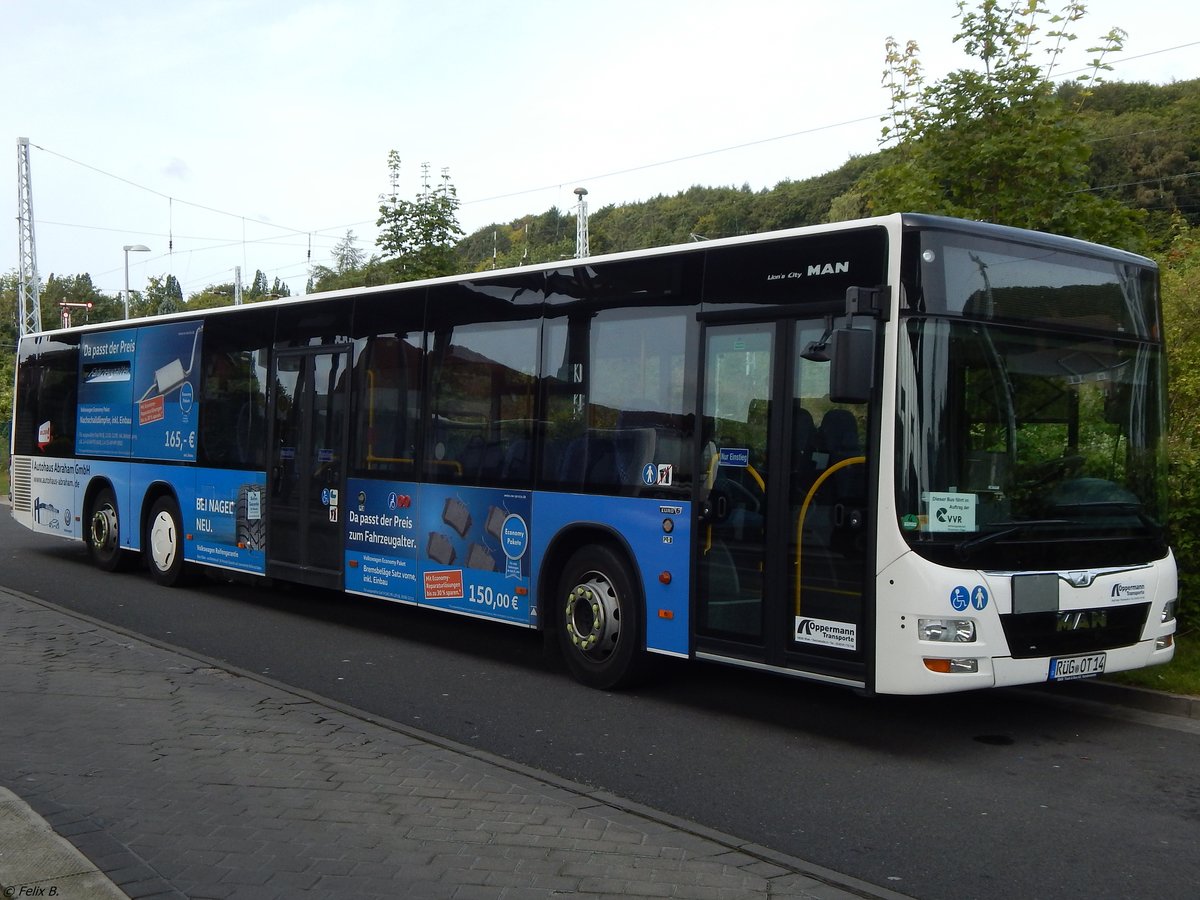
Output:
x,y
995,794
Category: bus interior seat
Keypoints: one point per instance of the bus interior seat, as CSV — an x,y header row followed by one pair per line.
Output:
x,y
804,445
837,438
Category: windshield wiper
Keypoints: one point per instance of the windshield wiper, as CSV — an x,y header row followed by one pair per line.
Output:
x,y
965,547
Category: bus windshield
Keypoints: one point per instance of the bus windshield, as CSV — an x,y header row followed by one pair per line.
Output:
x,y
1026,446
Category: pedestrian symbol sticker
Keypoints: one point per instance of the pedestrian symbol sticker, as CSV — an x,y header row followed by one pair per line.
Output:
x,y
658,474
979,597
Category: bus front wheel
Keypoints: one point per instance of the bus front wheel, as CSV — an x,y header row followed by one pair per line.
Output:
x,y
600,619
103,534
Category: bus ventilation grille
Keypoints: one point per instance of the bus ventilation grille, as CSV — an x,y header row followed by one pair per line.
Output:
x,y
22,484
1081,631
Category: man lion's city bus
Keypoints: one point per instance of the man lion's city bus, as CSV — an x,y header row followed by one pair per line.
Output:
x,y
904,455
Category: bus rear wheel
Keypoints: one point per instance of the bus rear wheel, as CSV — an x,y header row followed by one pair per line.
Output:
x,y
600,623
164,542
103,532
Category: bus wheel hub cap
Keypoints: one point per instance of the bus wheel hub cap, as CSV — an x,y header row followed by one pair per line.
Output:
x,y
593,616
104,527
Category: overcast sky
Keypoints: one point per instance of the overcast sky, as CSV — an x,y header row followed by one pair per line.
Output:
x,y
229,133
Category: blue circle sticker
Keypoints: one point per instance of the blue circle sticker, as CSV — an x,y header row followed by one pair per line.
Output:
x,y
979,597
514,538
650,474
959,598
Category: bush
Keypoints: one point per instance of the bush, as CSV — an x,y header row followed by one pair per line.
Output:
x,y
1183,522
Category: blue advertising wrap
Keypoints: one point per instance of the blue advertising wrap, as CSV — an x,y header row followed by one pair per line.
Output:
x,y
462,549
640,524
139,392
106,393
228,520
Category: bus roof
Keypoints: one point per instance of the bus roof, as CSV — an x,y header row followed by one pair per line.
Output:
x,y
893,221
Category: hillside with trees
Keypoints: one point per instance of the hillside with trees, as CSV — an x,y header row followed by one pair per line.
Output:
x,y
1144,154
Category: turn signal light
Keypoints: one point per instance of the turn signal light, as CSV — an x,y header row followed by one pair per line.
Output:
x,y
952,666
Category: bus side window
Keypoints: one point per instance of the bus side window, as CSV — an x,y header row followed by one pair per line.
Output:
x,y
233,400
482,393
614,389
387,379
47,390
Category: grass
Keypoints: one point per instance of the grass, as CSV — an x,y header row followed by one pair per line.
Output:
x,y
1180,676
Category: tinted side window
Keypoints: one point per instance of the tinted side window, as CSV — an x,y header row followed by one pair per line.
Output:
x,y
484,340
47,393
619,388
387,380
233,399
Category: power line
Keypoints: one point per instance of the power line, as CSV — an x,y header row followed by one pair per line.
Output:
x,y
149,190
559,185
677,159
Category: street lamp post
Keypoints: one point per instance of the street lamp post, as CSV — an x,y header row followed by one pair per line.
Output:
x,y
127,248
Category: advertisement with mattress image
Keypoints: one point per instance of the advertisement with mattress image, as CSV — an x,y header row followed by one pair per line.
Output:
x,y
138,392
456,548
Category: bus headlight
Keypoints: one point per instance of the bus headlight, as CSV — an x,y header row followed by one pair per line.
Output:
x,y
946,631
1168,612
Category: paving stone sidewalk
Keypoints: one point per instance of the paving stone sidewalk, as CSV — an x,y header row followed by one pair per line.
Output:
x,y
177,777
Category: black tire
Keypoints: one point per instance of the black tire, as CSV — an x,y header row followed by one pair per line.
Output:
x,y
163,543
102,532
251,533
599,619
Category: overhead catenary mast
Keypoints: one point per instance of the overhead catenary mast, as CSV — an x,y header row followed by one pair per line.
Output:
x,y
29,286
581,224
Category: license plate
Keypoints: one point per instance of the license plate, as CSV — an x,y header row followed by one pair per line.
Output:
x,y
1067,667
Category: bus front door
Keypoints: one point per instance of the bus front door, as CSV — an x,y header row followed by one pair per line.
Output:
x,y
308,454
782,499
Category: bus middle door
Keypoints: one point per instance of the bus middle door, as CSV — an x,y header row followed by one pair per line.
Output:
x,y
308,460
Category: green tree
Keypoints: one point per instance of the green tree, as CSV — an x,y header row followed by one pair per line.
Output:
x,y
347,257
9,330
163,295
997,142
60,289
258,287
417,237
213,296
1145,148
1180,267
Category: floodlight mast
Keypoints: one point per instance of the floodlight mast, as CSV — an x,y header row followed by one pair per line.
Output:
x,y
29,286
137,248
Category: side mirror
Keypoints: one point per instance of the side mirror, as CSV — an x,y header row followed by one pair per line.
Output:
x,y
852,365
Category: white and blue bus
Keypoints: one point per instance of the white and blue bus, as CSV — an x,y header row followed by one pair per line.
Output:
x,y
905,455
